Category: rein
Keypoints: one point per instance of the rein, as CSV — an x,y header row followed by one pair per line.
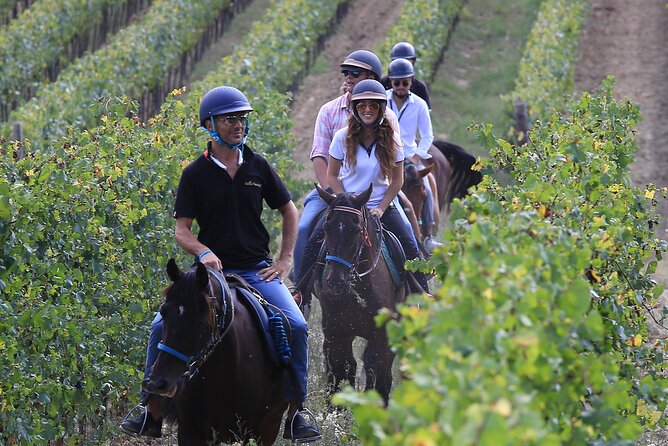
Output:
x,y
219,331
366,242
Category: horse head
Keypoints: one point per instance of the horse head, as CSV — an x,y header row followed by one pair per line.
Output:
x,y
189,314
414,187
345,236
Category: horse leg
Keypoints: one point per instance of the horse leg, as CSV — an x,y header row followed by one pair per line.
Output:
x,y
378,359
340,361
271,424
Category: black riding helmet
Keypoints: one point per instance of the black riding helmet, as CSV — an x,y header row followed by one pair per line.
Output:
x,y
369,89
363,59
401,69
403,50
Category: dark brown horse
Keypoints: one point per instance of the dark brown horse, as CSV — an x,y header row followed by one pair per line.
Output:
x,y
213,364
356,283
451,168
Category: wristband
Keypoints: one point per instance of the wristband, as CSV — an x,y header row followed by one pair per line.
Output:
x,y
203,253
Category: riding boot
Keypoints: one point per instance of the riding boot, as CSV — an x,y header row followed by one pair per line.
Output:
x,y
143,424
298,430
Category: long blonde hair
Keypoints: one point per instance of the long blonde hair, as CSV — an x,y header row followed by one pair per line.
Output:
x,y
386,145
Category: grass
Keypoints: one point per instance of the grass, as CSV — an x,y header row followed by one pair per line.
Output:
x,y
479,65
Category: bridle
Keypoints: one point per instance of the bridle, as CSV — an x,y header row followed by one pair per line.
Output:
x,y
366,241
219,331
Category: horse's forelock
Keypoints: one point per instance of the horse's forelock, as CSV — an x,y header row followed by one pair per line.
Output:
x,y
411,176
184,292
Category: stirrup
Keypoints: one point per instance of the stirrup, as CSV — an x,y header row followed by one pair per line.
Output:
x,y
142,411
311,417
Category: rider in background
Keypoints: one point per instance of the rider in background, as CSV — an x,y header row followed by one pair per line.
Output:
x,y
404,50
332,116
368,151
413,115
223,190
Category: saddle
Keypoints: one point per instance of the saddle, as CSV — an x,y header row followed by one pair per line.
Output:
x,y
271,321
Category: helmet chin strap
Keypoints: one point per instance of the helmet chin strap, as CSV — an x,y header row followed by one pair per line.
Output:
x,y
216,137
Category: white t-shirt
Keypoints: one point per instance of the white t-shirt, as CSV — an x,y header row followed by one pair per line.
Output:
x,y
413,117
366,171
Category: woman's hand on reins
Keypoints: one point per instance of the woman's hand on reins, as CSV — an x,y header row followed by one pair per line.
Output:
x,y
376,212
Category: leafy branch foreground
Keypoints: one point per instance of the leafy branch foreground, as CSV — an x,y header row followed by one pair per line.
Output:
x,y
538,335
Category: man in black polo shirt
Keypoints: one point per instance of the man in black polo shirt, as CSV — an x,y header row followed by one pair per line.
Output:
x,y
224,189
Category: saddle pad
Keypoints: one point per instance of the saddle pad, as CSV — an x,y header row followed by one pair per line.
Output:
x,y
260,312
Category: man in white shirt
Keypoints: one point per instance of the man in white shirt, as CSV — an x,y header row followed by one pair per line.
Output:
x,y
413,114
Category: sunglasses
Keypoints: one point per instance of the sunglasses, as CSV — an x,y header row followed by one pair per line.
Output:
x,y
373,106
354,73
233,119
398,82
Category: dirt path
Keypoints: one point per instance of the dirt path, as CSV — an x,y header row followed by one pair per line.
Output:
x,y
364,27
627,39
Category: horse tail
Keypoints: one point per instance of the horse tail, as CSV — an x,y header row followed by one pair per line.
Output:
x,y
463,176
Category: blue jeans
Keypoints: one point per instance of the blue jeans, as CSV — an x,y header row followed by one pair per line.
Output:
x,y
276,293
313,205
427,216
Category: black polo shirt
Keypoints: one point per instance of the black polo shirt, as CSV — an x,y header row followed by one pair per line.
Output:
x,y
418,87
228,211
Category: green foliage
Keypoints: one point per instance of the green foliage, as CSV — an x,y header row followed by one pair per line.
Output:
x,y
427,31
136,60
86,229
41,38
538,335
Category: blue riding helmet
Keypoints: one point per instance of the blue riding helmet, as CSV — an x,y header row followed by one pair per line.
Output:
x,y
364,59
403,50
369,89
220,101
400,69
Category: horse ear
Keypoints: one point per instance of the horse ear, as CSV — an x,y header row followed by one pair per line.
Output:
x,y
361,199
424,172
173,270
202,275
326,196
